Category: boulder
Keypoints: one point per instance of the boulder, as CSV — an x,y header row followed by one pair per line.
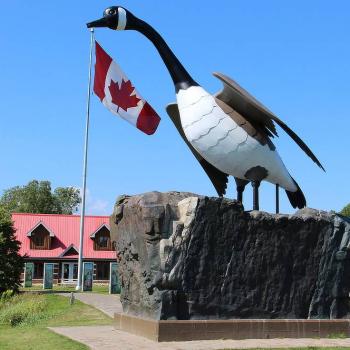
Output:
x,y
184,256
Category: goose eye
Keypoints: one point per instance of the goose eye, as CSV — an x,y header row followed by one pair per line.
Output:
x,y
111,12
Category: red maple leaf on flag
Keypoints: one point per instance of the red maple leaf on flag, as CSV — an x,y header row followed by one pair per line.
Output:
x,y
121,94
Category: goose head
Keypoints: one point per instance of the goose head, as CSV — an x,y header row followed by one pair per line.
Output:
x,y
119,18
114,17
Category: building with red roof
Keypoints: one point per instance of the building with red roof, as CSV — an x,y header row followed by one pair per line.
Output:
x,y
55,238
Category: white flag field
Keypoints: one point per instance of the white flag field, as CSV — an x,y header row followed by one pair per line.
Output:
x,y
119,95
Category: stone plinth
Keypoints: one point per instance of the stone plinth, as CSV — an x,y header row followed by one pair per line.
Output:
x,y
188,257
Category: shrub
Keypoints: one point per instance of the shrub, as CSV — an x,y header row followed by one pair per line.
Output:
x,y
11,263
5,297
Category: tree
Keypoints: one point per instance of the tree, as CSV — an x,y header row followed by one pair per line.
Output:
x,y
37,197
11,263
67,199
346,210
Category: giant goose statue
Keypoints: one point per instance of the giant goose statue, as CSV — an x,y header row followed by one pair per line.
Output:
x,y
229,133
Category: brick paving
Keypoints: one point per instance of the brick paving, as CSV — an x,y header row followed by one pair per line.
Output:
x,y
107,338
107,303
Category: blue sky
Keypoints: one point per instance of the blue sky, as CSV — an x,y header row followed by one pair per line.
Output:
x,y
293,56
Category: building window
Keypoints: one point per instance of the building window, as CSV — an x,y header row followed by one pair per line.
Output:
x,y
38,240
102,270
102,240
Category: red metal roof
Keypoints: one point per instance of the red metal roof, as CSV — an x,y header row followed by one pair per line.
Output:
x,y
66,231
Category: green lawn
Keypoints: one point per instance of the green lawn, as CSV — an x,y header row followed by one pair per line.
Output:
x,y
50,310
55,310
35,339
96,288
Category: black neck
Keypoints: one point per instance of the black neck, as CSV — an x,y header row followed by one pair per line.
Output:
x,y
181,78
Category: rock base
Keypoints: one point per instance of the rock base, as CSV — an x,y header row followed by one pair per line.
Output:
x,y
188,257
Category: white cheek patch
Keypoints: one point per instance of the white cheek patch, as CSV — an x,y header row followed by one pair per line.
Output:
x,y
121,19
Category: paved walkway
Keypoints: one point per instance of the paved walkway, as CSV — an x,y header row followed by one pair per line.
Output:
x,y
107,303
107,338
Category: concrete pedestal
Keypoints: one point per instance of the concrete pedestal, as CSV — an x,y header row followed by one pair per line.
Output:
x,y
186,330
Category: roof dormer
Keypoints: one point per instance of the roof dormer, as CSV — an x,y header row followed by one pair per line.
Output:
x,y
40,237
102,238
70,251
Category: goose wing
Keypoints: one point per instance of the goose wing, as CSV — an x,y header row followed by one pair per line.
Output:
x,y
250,108
217,177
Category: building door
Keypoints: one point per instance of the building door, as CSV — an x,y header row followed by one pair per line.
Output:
x,y
69,272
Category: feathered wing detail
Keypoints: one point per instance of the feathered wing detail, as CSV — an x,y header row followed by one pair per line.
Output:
x,y
249,107
217,177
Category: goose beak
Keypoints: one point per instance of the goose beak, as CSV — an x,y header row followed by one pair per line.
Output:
x,y
102,22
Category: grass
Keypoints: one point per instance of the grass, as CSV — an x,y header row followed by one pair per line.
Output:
x,y
35,339
22,309
54,310
96,288
337,336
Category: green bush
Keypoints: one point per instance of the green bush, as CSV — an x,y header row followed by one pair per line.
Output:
x,y
22,309
11,263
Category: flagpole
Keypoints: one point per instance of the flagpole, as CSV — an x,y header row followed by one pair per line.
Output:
x,y
82,213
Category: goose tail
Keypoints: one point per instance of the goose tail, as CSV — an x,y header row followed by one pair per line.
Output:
x,y
296,199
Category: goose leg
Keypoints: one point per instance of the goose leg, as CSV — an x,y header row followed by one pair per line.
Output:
x,y
256,185
256,175
240,186
240,194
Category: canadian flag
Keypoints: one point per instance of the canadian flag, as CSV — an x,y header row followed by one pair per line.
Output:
x,y
119,95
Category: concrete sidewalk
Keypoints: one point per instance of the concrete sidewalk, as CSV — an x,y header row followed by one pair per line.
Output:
x,y
107,338
107,303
